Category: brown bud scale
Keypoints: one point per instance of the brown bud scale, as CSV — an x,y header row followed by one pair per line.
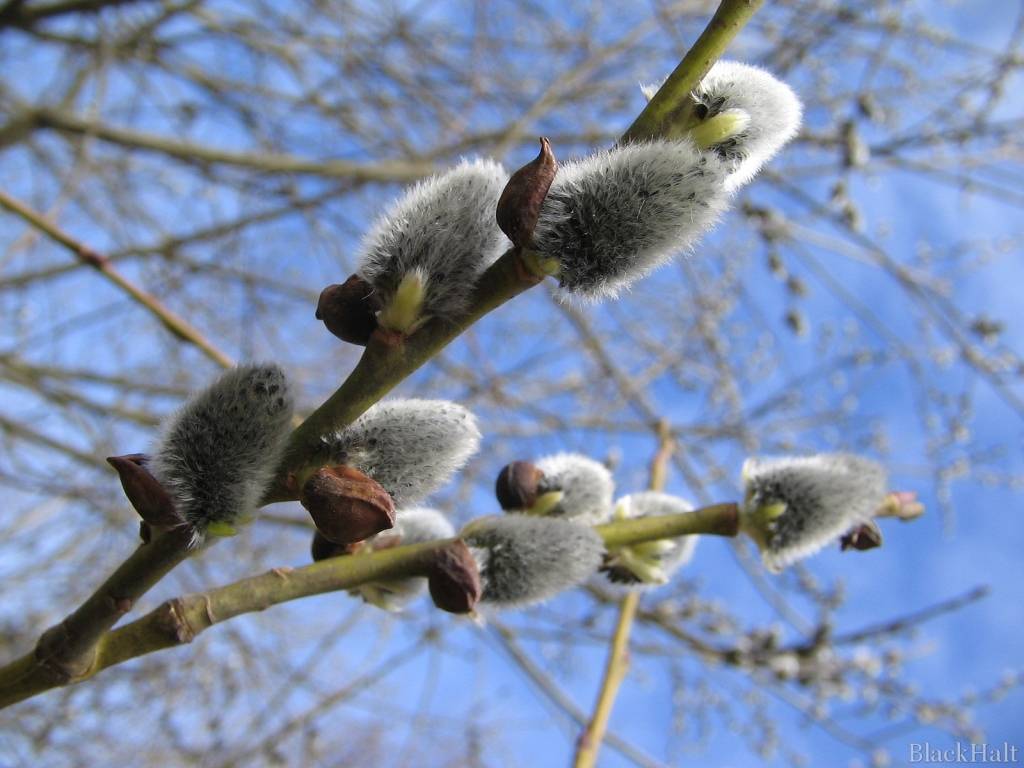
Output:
x,y
454,579
520,201
517,485
349,310
347,505
145,493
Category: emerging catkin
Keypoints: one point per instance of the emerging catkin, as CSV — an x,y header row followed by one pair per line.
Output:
x,y
794,506
525,559
651,563
612,217
765,111
435,241
410,447
585,485
219,450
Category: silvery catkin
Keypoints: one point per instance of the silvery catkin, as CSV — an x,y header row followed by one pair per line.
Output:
x,y
586,486
411,447
766,109
525,559
442,232
219,450
793,506
614,216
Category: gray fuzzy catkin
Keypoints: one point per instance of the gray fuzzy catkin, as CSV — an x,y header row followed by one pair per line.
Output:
x,y
413,525
612,217
218,452
773,110
654,504
444,228
825,496
410,447
527,559
586,487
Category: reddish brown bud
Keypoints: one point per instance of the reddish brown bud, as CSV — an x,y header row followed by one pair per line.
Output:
x,y
349,310
346,505
517,485
323,548
863,537
454,579
149,498
520,201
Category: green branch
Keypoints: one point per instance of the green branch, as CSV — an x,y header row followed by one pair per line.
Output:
x,y
180,620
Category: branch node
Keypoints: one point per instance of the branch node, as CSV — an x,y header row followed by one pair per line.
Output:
x,y
171,620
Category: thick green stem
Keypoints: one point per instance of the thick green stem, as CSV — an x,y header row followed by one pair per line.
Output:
x,y
180,620
385,364
670,112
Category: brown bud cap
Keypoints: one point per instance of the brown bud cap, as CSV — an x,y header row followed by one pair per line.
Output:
x,y
517,485
349,310
454,579
149,498
863,537
323,548
520,201
346,505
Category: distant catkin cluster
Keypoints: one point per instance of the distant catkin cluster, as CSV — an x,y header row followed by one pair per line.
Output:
x,y
424,254
651,563
219,450
410,447
523,559
793,506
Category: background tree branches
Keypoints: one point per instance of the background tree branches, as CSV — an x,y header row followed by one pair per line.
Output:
x,y
227,157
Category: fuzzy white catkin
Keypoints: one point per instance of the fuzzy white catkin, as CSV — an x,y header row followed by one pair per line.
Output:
x,y
413,525
679,550
410,447
525,559
612,217
218,452
772,109
586,487
444,229
825,496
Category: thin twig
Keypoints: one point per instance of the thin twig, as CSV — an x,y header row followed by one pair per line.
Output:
x,y
618,652
175,324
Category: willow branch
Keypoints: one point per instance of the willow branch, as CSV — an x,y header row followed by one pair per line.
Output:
x,y
67,652
172,322
182,619
385,171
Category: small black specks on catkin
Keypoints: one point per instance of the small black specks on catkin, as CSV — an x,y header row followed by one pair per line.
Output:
x,y
219,450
